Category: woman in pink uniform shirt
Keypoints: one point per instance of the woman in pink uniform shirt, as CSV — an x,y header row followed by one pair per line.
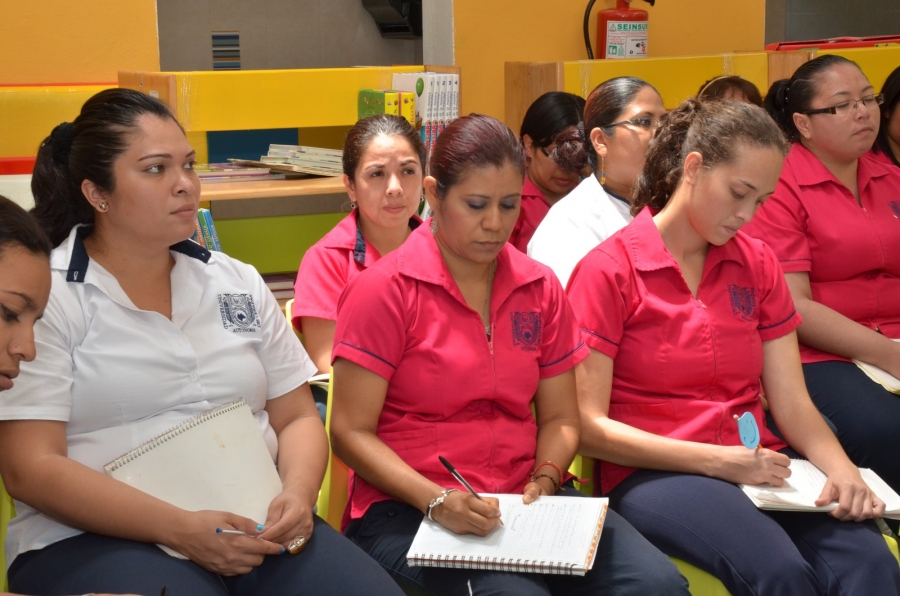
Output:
x,y
684,314
442,348
384,163
834,224
553,135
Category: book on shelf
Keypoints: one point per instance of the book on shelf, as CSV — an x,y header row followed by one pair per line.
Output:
x,y
882,377
228,172
408,106
800,491
371,102
205,231
318,161
436,103
557,535
218,179
279,281
290,168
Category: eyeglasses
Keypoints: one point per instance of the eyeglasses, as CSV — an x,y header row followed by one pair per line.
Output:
x,y
846,108
645,123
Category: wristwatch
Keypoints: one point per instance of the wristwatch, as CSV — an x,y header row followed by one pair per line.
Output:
x,y
438,501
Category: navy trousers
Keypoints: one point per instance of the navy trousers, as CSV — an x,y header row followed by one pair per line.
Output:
x,y
712,524
865,414
626,564
329,566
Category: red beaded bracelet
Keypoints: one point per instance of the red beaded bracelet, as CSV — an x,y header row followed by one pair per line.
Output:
x,y
549,477
549,463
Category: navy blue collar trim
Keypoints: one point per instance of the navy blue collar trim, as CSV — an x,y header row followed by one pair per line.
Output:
x,y
78,264
616,196
192,249
359,247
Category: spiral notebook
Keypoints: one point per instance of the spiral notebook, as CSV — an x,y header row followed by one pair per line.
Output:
x,y
217,460
882,377
557,535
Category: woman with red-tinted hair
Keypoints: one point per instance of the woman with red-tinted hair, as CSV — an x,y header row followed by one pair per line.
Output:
x,y
442,347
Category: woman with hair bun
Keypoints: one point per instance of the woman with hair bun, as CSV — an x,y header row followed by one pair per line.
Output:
x,y
553,136
443,347
834,224
142,331
383,171
620,117
684,314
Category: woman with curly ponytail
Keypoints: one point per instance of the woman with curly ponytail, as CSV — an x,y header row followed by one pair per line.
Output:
x,y
620,117
684,314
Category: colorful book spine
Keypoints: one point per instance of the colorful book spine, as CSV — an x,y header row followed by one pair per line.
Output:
x,y
210,229
198,232
408,106
377,101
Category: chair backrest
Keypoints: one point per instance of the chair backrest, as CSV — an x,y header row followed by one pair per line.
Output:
x,y
7,512
333,494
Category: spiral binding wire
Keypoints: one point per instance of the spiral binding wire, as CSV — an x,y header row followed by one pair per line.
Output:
x,y
171,434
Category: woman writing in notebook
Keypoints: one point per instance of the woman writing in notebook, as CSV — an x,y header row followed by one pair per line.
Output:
x,y
135,340
834,224
442,348
683,314
383,171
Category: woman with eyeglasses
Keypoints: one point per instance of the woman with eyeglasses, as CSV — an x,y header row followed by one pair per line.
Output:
x,y
887,143
620,118
553,138
834,224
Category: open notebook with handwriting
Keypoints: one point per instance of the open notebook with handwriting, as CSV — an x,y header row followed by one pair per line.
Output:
x,y
552,535
800,491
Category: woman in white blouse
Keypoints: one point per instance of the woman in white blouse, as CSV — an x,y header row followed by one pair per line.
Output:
x,y
143,330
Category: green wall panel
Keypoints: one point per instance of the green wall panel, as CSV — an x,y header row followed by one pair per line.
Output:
x,y
274,244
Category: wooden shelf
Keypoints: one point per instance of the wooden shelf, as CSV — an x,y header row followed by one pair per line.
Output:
x,y
267,189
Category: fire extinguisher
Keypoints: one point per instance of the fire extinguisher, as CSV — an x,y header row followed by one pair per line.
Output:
x,y
621,31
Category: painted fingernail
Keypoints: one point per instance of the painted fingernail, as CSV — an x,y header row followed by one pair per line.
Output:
x,y
260,527
281,552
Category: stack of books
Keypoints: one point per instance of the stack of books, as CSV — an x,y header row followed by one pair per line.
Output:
x,y
205,231
228,172
436,101
300,159
386,101
281,285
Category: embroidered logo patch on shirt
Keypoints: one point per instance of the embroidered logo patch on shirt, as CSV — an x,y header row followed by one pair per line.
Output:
x,y
895,207
526,330
238,313
743,302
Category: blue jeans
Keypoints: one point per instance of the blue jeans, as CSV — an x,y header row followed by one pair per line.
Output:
x,y
94,563
626,564
712,524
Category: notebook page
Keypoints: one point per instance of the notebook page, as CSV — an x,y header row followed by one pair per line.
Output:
x,y
550,529
802,488
883,490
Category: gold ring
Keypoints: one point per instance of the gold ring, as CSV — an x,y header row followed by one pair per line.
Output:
x,y
296,544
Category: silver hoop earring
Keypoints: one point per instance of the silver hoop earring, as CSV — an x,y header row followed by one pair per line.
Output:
x,y
103,206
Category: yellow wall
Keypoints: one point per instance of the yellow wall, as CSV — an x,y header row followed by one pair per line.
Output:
x,y
71,41
489,33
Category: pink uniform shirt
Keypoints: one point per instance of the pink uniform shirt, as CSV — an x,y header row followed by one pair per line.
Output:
x,y
684,366
452,392
534,209
328,266
850,250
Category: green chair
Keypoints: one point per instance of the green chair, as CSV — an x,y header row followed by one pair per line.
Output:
x,y
7,512
333,494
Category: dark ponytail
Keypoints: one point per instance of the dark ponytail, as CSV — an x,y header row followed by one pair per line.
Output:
x,y
891,92
85,149
787,97
710,127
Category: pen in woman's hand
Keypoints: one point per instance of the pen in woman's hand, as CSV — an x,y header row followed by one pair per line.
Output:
x,y
461,480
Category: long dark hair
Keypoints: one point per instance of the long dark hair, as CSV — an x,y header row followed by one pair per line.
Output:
x,y
554,117
791,96
364,131
473,141
19,228
712,128
605,105
86,149
891,92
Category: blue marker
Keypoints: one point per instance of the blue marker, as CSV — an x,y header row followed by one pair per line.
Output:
x,y
748,430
